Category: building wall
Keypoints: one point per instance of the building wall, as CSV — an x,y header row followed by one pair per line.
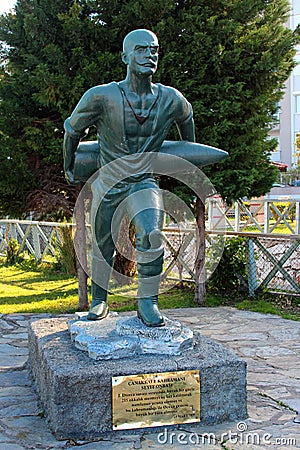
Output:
x,y
289,115
285,135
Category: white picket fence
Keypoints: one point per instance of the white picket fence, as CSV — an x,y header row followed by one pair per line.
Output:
x,y
262,217
36,238
256,215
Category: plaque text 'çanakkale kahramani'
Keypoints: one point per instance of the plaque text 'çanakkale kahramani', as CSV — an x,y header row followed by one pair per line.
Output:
x,y
155,399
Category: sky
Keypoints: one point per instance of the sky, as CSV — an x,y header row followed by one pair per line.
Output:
x,y
6,5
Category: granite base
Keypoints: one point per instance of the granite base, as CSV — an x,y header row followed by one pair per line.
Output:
x,y
75,390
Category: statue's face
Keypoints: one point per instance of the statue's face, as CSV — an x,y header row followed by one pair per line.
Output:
x,y
141,52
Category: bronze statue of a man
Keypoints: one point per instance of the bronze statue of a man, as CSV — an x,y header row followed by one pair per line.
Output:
x,y
132,117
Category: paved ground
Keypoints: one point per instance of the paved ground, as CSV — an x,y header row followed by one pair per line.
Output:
x,y
269,344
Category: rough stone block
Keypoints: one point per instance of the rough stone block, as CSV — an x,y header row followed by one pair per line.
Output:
x,y
122,337
75,390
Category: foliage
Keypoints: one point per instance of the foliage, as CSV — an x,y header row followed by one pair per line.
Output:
x,y
229,57
283,208
231,274
297,152
66,252
24,260
236,56
12,252
27,261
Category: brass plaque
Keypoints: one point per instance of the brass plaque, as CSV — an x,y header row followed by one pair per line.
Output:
x,y
155,399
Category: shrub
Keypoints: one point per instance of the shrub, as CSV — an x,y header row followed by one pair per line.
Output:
x,y
282,206
66,253
231,273
12,253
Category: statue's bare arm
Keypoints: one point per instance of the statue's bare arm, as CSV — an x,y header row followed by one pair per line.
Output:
x,y
76,126
187,130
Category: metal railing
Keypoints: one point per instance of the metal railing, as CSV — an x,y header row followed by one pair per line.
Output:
x,y
289,178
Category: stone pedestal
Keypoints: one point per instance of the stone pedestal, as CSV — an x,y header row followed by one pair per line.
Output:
x,y
76,389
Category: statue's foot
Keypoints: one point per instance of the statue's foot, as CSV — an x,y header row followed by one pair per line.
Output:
x,y
149,313
98,310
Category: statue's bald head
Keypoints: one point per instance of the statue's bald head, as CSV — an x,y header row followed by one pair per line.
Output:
x,y
140,53
138,37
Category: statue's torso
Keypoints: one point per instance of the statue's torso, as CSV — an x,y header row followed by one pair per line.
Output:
x,y
119,132
144,107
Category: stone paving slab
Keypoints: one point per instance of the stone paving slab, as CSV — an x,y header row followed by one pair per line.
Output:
x,y
269,344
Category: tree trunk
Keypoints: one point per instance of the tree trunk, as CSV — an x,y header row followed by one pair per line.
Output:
x,y
81,256
124,262
200,290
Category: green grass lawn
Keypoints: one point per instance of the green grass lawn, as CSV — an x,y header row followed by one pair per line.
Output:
x,y
36,291
281,228
41,290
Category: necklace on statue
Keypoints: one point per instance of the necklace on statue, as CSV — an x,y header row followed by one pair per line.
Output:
x,y
141,118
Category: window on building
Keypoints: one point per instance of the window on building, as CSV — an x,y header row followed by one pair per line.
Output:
x,y
276,115
296,155
277,148
296,19
297,104
275,155
297,60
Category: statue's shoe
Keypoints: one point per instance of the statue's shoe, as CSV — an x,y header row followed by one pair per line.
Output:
x,y
149,313
98,310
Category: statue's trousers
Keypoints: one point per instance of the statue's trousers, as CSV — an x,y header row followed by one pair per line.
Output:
x,y
142,202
